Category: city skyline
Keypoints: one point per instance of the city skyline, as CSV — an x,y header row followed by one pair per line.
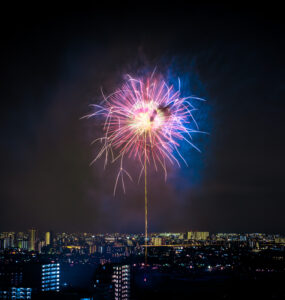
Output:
x,y
139,232
53,265
43,242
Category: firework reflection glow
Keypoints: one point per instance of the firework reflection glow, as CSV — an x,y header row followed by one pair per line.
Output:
x,y
145,120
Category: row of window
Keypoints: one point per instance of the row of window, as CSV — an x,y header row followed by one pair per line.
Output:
x,y
50,281
51,284
50,265
50,277
50,289
50,273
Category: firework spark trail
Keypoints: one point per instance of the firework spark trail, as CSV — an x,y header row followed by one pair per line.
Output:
x,y
145,120
145,114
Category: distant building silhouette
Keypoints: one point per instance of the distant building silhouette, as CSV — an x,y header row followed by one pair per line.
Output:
x,y
197,235
47,238
32,239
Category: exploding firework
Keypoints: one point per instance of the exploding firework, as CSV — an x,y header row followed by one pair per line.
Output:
x,y
145,120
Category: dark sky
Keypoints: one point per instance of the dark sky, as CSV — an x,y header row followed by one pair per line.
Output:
x,y
53,65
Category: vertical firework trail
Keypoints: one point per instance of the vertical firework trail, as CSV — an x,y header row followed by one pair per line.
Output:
x,y
145,200
145,120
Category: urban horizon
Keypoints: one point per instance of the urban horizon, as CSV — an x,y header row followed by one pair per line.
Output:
x,y
142,232
35,240
50,265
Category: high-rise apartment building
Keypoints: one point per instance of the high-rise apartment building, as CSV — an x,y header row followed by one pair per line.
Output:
x,y
47,238
50,277
121,282
32,239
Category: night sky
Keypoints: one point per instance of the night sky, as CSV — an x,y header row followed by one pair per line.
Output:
x,y
53,65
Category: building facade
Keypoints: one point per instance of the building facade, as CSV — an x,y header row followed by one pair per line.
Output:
x,y
16,293
121,282
50,277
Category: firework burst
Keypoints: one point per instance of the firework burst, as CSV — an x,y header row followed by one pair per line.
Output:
x,y
145,120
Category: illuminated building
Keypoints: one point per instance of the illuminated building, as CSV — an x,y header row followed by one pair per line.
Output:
x,y
121,282
40,245
7,240
130,242
15,293
7,243
21,241
101,249
50,278
47,238
92,249
156,241
279,240
190,235
23,244
197,235
32,240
